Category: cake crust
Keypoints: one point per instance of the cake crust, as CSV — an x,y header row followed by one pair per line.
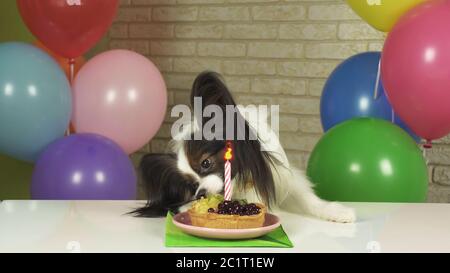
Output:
x,y
225,221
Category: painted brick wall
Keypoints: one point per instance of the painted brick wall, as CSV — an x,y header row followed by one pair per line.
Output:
x,y
270,52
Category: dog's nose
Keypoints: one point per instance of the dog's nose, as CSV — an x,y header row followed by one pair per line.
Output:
x,y
201,193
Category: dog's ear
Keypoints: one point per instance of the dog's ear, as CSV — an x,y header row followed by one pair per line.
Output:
x,y
165,187
253,166
212,89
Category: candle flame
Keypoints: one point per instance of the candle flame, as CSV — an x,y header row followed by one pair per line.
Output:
x,y
229,152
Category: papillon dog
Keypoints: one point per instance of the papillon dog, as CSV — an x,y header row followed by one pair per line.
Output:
x,y
194,166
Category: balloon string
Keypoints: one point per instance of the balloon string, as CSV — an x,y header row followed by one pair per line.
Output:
x,y
392,116
71,77
428,144
424,154
72,70
377,82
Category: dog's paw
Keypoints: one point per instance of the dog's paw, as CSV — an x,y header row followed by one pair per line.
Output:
x,y
335,212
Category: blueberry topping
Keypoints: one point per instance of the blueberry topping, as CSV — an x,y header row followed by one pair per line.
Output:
x,y
236,208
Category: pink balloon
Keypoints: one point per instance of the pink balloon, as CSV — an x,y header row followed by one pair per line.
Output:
x,y
415,69
121,95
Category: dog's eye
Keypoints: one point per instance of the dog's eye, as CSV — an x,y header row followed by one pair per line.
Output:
x,y
206,164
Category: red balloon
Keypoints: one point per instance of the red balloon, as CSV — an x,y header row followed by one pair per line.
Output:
x,y
415,69
68,27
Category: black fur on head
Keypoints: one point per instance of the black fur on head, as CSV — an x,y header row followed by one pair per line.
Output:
x,y
168,188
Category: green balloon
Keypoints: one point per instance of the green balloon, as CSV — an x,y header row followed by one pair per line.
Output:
x,y
15,178
12,28
368,160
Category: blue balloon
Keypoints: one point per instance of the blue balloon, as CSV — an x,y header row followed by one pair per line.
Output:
x,y
35,101
349,93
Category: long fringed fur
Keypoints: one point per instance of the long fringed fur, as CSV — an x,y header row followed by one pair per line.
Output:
x,y
164,185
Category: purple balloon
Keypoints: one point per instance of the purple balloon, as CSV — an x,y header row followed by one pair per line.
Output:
x,y
84,167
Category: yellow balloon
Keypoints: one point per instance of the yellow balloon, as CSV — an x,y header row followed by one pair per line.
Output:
x,y
382,14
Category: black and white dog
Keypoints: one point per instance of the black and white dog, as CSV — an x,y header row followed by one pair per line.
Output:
x,y
261,172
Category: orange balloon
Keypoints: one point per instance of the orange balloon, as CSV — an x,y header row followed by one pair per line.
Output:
x,y
63,62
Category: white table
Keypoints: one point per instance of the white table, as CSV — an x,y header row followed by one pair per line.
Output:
x,y
102,226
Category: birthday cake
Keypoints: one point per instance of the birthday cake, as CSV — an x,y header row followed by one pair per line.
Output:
x,y
215,212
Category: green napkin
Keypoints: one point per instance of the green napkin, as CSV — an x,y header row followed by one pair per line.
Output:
x,y
177,238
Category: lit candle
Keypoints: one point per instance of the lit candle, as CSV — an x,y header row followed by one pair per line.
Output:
x,y
227,173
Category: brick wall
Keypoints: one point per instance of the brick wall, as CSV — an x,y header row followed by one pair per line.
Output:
x,y
270,52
